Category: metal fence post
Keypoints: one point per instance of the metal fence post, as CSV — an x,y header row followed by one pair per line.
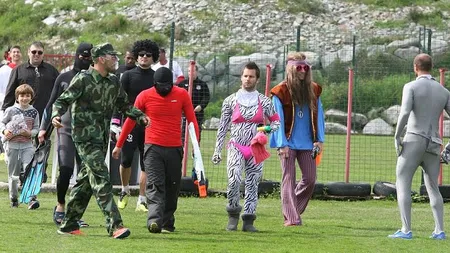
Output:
x,y
349,125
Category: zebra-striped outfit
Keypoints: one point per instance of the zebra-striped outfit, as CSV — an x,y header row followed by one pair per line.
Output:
x,y
242,112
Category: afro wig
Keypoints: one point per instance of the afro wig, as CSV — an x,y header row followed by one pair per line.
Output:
x,y
147,46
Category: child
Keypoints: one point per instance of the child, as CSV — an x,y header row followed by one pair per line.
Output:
x,y
19,125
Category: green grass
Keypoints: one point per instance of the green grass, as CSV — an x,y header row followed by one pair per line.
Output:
x,y
372,159
329,226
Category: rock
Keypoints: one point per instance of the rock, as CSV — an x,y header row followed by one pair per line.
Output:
x,y
378,127
391,114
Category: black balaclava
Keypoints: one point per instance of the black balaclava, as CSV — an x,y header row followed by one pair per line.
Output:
x,y
84,49
163,79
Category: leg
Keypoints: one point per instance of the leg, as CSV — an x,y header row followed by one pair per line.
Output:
x,y
127,157
173,159
66,157
305,188
235,162
14,169
431,175
155,191
288,199
407,163
141,204
253,174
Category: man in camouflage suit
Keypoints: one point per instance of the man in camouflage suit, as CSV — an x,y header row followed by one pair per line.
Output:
x,y
95,94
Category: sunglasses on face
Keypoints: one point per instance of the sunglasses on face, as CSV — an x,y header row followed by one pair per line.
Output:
x,y
302,67
145,54
37,52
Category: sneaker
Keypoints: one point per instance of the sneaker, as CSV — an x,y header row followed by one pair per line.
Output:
x,y
123,200
34,204
154,228
82,224
141,207
401,235
14,203
167,230
440,236
73,232
121,233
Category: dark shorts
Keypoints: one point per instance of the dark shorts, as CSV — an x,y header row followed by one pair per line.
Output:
x,y
134,140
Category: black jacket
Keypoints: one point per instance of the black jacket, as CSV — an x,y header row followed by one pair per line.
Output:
x,y
41,83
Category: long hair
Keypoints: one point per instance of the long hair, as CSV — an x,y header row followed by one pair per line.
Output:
x,y
301,90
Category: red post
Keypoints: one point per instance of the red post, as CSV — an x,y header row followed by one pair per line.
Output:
x,y
349,124
441,121
268,77
186,131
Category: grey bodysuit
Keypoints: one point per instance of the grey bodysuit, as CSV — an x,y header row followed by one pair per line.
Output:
x,y
423,101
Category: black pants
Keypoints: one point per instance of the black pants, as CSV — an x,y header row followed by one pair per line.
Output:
x,y
66,159
163,169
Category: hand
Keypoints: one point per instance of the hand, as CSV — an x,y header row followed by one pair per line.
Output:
x,y
318,145
445,154
41,136
147,121
25,133
114,132
8,134
283,152
216,159
56,121
398,145
116,152
198,108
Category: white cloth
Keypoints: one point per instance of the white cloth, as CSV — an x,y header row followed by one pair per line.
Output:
x,y
246,98
176,69
5,72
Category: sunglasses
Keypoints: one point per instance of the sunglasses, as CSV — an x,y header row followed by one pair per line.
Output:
x,y
145,54
37,52
302,67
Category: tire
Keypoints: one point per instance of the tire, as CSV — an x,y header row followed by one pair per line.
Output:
x,y
318,189
348,189
444,189
264,187
384,189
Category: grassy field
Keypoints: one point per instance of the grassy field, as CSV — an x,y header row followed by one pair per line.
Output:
x,y
372,159
329,226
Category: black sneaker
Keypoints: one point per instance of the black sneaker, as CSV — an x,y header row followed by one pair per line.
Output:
x,y
33,204
14,203
154,228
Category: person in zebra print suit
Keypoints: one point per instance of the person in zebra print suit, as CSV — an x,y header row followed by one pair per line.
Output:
x,y
297,100
242,112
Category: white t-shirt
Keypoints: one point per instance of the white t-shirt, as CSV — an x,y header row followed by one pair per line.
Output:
x,y
176,69
5,72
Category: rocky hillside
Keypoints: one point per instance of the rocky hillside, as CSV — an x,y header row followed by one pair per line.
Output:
x,y
258,25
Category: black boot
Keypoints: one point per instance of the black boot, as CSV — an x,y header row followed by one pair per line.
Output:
x,y
233,217
248,220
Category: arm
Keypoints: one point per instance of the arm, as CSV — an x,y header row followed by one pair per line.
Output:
x,y
10,96
278,138
70,95
6,118
320,122
124,106
56,92
224,125
125,83
405,110
35,129
189,113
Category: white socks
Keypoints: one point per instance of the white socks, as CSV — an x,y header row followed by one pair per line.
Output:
x,y
126,188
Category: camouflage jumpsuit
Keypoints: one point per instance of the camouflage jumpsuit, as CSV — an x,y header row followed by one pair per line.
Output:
x,y
94,99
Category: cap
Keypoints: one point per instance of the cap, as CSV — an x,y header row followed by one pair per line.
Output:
x,y
103,49
163,75
84,49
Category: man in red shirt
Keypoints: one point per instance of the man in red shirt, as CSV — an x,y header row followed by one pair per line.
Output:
x,y
164,104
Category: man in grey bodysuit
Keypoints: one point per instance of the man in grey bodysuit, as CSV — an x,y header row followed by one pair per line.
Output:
x,y
423,101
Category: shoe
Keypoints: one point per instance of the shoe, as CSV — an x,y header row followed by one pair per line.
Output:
x,y
82,224
141,207
440,236
34,204
73,232
154,228
167,230
123,200
58,216
121,233
14,203
401,235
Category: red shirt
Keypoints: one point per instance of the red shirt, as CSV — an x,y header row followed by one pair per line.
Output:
x,y
165,117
